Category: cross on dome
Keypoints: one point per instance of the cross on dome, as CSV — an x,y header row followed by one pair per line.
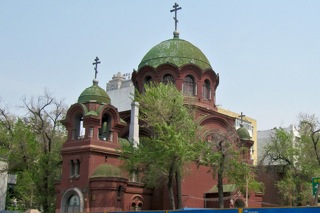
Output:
x,y
176,8
96,66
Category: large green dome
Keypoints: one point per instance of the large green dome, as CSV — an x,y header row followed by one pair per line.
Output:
x,y
175,51
94,94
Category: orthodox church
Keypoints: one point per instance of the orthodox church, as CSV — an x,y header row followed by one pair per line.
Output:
x,y
92,180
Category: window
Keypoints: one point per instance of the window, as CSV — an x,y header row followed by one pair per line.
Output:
x,y
75,168
189,86
119,192
136,204
206,90
72,201
105,132
78,129
147,80
73,204
167,78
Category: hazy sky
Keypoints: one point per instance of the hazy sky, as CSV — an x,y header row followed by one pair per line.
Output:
x,y
267,52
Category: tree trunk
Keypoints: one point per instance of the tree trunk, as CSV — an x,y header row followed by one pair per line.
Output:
x,y
170,188
220,182
178,185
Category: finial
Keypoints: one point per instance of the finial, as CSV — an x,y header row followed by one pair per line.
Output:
x,y
176,8
96,66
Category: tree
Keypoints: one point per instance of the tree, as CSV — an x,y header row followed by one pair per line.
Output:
x,y
293,156
173,142
309,130
223,154
32,144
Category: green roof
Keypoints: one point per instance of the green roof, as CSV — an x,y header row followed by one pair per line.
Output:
x,y
123,141
243,133
175,51
107,170
94,94
226,188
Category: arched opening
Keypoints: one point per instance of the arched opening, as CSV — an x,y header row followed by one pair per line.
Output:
x,y
189,86
136,204
167,78
78,131
206,90
72,201
147,81
119,192
105,132
75,168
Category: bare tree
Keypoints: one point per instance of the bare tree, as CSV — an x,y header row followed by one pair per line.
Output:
x,y
31,145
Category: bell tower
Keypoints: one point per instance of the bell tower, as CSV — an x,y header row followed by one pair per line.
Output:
x,y
92,127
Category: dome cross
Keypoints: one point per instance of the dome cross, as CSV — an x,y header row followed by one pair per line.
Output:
x,y
96,66
241,118
176,8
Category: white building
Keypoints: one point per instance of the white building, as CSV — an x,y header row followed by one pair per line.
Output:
x,y
120,90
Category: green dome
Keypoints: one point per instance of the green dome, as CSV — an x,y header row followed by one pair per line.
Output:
x,y
243,133
94,94
175,51
107,170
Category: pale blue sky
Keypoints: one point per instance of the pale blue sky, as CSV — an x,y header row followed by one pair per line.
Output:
x,y
266,51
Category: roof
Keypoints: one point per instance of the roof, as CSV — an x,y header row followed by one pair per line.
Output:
x,y
107,170
226,188
243,133
94,94
175,51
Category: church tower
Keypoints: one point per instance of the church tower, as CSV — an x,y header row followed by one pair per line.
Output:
x,y
90,153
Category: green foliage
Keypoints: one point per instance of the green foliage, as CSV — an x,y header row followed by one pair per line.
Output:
x,y
31,146
299,159
162,156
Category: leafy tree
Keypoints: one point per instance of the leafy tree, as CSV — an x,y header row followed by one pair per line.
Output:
x,y
31,146
173,142
223,154
286,151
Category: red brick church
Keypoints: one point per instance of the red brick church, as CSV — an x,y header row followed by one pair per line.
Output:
x,y
91,178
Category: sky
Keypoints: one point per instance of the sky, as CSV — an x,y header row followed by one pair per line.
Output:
x,y
267,52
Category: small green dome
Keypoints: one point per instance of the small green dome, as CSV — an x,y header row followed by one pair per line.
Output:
x,y
94,94
107,170
243,133
175,51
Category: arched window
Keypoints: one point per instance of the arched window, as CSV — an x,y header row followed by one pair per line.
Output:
x,y
148,80
73,204
136,204
105,132
78,130
189,86
72,201
119,192
206,90
167,78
